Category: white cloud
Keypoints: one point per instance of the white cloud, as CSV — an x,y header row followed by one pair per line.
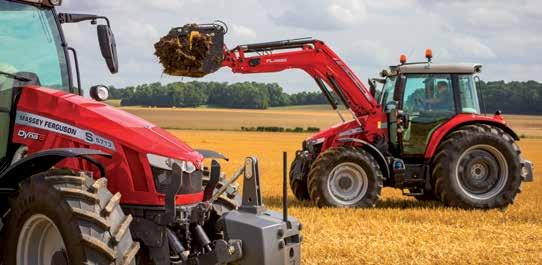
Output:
x,y
391,4
320,14
347,12
373,52
164,4
472,48
492,17
243,32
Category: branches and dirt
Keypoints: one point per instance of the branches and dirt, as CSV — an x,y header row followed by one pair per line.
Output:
x,y
184,55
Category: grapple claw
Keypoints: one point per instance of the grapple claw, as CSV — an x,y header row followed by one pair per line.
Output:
x,y
193,50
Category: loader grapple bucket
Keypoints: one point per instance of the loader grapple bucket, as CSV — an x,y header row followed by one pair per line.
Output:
x,y
193,50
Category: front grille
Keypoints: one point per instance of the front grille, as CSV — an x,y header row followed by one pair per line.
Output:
x,y
190,182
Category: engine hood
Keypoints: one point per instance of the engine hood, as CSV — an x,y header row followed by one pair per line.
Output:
x,y
103,121
343,129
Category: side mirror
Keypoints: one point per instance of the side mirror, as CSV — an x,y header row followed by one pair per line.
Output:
x,y
372,87
399,87
108,46
99,93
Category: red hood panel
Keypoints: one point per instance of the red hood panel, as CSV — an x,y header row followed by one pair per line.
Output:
x,y
116,125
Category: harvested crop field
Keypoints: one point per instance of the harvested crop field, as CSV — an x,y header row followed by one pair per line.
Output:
x,y
400,230
320,116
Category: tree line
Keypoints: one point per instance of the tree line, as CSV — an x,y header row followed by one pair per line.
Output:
x,y
246,95
510,97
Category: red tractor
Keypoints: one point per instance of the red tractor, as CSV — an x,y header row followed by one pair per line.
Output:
x,y
84,183
424,133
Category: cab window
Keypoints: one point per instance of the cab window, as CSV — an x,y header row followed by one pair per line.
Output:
x,y
468,95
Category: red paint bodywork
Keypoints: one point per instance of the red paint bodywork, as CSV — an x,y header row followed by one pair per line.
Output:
x,y
458,121
128,171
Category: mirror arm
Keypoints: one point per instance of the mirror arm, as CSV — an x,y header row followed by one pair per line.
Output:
x,y
106,20
76,18
77,74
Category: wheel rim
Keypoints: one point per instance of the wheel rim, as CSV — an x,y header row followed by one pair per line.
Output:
x,y
481,172
40,243
347,183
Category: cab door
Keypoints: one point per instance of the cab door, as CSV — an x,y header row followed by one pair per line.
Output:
x,y
427,102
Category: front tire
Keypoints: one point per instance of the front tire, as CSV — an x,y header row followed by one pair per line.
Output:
x,y
345,177
477,166
299,186
59,217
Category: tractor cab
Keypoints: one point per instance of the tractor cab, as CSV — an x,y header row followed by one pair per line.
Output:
x,y
33,51
423,96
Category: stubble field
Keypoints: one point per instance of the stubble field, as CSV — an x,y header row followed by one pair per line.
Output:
x,y
399,230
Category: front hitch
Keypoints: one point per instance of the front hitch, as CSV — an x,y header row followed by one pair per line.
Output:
x,y
266,237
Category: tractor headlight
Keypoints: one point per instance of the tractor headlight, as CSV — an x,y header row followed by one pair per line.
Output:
x,y
166,163
162,170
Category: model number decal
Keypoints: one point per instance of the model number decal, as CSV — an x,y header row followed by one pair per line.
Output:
x,y
40,122
95,139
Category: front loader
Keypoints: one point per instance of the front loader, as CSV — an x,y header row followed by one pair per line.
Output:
x,y
424,134
84,183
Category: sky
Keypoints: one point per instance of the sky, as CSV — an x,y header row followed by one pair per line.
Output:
x,y
504,36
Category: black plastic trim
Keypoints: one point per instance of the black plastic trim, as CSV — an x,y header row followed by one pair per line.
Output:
x,y
44,160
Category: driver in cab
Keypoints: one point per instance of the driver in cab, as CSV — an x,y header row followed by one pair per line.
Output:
x,y
441,99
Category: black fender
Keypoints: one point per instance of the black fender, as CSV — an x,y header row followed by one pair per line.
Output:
x,y
45,160
211,154
373,150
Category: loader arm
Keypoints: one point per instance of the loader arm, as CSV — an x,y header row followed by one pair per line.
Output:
x,y
312,56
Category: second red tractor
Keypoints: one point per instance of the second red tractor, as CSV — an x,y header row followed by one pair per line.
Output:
x,y
424,133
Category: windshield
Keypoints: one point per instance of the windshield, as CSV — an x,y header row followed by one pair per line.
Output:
x,y
30,42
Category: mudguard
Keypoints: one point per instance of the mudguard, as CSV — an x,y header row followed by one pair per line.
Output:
x,y
44,160
380,158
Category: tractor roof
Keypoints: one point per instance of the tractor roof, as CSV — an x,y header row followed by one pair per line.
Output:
x,y
431,68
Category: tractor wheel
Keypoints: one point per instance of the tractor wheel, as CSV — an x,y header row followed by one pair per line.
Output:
x,y
59,217
299,187
345,177
477,166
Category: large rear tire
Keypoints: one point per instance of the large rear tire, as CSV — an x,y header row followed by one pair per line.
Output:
x,y
345,177
58,217
477,166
